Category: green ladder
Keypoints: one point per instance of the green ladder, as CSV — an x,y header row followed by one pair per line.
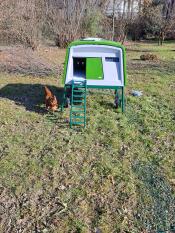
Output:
x,y
78,103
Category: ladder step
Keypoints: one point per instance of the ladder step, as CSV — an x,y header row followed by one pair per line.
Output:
x,y
77,111
77,101
77,117
79,86
80,96
78,91
78,123
78,106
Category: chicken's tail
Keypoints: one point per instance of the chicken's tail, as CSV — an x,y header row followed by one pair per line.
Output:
x,y
47,91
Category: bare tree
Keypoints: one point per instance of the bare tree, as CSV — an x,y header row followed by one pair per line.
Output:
x,y
66,20
74,20
113,19
158,18
168,20
23,20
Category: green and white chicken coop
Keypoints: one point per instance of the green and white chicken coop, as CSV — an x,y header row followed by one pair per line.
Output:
x,y
93,63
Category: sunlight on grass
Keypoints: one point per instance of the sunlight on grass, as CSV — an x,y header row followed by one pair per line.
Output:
x,y
117,174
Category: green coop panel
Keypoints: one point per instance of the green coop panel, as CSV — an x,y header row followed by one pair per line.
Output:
x,y
94,68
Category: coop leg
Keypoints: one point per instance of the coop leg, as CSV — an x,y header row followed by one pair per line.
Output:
x,y
63,100
62,105
123,100
62,108
116,100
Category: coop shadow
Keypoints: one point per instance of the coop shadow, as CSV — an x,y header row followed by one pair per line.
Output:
x,y
107,105
31,96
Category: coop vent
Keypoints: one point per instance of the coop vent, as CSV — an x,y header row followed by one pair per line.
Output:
x,y
112,59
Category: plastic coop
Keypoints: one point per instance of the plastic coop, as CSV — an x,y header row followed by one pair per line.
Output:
x,y
96,63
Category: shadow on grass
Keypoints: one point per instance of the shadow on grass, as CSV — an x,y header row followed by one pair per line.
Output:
x,y
107,105
136,59
31,96
158,212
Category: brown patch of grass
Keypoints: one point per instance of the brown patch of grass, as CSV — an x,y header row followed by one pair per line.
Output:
x,y
149,57
53,55
26,62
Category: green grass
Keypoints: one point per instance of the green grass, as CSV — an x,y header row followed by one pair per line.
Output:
x,y
117,175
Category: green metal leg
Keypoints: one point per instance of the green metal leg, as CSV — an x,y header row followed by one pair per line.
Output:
x,y
72,92
116,98
120,98
62,107
123,100
64,98
85,105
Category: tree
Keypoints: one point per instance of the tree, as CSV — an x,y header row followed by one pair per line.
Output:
x,y
77,19
23,20
158,18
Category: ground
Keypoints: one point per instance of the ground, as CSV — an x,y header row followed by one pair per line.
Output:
x,y
117,175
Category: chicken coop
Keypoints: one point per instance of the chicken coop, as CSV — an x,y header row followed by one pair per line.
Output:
x,y
93,63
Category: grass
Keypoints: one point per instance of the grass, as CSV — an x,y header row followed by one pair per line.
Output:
x,y
117,175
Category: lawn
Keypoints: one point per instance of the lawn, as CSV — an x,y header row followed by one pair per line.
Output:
x,y
117,175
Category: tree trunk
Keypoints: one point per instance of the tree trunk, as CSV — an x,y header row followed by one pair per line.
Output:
x,y
140,6
113,20
124,38
161,38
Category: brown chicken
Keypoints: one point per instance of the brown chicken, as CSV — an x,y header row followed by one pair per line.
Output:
x,y
50,100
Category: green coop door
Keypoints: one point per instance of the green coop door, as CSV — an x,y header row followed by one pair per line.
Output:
x,y
94,68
